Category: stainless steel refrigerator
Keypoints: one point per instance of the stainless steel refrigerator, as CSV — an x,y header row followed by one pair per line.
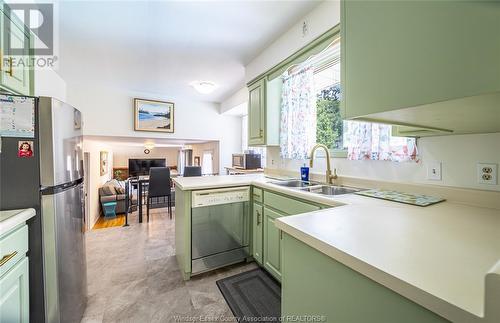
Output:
x,y
48,178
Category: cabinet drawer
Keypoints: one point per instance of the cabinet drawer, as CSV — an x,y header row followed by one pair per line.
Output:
x,y
257,195
287,205
13,247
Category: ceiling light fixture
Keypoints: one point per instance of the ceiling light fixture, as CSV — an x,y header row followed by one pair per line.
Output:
x,y
204,87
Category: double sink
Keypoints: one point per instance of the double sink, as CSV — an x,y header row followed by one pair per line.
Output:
x,y
316,187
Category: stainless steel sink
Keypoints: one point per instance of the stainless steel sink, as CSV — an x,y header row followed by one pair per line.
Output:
x,y
295,183
330,190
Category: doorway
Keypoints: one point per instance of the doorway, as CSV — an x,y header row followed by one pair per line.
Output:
x,y
207,167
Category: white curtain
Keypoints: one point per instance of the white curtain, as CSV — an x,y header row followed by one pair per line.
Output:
x,y
374,141
298,114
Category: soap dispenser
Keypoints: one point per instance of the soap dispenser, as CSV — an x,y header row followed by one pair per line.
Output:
x,y
304,173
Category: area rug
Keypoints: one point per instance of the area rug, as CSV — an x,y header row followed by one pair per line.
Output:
x,y
253,296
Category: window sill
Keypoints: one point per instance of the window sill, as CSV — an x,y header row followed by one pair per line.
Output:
x,y
335,153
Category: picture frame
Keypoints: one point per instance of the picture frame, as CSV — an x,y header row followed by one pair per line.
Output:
x,y
103,161
197,161
153,115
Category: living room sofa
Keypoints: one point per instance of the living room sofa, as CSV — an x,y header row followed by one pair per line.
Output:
x,y
114,191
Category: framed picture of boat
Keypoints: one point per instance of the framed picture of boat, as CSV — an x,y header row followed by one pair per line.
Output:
x,y
151,115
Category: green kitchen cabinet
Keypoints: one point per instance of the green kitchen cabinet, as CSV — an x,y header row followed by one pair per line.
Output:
x,y
16,76
417,65
264,103
272,242
14,303
276,205
318,285
257,232
256,113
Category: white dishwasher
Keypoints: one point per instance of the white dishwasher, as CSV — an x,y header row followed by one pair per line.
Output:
x,y
220,227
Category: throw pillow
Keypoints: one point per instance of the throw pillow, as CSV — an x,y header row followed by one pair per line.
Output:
x,y
108,190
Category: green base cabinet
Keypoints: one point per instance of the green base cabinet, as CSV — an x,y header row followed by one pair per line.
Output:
x,y
267,207
315,284
14,301
257,231
272,243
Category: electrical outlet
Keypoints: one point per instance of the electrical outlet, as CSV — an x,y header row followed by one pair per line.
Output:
x,y
434,171
487,173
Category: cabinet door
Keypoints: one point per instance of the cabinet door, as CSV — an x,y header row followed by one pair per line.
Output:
x,y
14,302
400,54
257,232
16,74
272,243
256,113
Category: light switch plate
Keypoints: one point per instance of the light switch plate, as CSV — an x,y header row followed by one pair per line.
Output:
x,y
487,173
434,171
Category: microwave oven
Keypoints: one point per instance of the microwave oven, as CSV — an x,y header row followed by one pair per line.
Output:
x,y
247,161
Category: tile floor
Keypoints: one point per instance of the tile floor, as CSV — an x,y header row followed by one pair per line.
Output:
x,y
133,276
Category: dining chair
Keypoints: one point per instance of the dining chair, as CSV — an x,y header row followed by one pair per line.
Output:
x,y
159,186
190,171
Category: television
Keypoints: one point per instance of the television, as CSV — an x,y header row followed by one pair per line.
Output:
x,y
137,167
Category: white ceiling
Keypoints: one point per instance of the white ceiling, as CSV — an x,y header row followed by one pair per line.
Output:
x,y
160,47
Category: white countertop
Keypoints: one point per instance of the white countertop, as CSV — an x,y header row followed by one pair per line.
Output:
x,y
12,218
438,256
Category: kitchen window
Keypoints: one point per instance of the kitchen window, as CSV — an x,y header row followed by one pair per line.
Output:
x,y
311,96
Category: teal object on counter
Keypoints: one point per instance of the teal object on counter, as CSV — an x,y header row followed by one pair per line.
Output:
x,y
407,198
109,209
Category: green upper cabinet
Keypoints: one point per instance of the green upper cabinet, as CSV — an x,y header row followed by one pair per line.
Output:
x,y
264,103
256,112
15,74
431,67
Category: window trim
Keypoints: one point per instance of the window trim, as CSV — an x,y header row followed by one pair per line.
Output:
x,y
315,46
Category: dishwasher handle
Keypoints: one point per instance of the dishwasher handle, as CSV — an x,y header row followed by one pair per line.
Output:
x,y
220,196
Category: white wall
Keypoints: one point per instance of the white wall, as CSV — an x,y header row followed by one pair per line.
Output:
x,y
49,83
458,155
122,153
109,111
319,20
239,97
94,147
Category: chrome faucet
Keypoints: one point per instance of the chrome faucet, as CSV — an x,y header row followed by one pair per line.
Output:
x,y
329,176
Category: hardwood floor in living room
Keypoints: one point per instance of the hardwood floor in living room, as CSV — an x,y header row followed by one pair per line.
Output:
x,y
103,222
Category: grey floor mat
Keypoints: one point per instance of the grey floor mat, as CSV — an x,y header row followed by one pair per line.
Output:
x,y
252,294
